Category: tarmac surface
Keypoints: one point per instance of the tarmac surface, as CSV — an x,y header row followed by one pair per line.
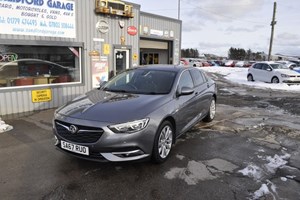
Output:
x,y
250,151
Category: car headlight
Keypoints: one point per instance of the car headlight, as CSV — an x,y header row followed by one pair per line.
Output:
x,y
56,114
285,76
129,127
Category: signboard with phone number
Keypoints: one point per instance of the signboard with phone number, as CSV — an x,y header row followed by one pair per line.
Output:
x,y
53,18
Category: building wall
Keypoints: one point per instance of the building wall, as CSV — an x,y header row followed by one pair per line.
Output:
x,y
18,100
164,25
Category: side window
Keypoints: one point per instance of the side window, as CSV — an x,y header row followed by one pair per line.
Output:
x,y
266,67
257,66
186,80
197,77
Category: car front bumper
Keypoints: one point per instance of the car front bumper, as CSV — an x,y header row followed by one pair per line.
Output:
x,y
291,81
107,145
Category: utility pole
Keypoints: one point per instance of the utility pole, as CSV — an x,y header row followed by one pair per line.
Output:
x,y
178,9
273,23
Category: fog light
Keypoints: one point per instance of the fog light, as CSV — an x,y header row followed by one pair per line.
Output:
x,y
56,141
129,153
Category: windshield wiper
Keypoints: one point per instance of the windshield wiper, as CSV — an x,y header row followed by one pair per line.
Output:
x,y
154,93
112,90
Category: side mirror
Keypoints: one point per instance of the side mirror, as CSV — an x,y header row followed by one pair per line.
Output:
x,y
269,69
101,84
184,91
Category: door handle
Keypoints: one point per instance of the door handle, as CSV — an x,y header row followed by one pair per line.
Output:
x,y
196,93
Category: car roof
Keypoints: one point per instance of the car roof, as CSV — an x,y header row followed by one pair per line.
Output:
x,y
268,62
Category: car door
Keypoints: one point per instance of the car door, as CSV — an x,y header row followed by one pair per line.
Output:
x,y
266,73
256,71
186,105
202,97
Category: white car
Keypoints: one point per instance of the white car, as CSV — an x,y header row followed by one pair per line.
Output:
x,y
272,72
195,63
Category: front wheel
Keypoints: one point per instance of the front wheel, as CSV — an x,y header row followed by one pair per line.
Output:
x,y
211,112
250,77
275,80
163,142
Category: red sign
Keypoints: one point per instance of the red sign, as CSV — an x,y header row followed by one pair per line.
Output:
x,y
132,30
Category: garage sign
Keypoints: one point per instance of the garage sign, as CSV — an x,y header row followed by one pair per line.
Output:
x,y
132,30
41,95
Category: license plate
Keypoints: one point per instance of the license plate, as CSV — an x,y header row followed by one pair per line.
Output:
x,y
74,148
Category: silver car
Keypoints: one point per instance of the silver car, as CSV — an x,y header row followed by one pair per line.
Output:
x,y
138,114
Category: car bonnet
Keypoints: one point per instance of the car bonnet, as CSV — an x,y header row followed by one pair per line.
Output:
x,y
287,71
112,107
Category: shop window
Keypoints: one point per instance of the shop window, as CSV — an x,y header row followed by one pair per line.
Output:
x,y
24,65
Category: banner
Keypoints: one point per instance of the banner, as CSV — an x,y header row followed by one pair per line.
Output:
x,y
38,17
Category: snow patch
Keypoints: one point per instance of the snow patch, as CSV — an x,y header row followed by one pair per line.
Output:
x,y
261,150
252,171
276,162
180,157
283,179
239,75
265,189
291,177
4,127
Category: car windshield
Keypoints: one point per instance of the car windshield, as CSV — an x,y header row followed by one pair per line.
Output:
x,y
142,81
278,66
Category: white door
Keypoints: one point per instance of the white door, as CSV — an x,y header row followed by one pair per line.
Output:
x,y
121,60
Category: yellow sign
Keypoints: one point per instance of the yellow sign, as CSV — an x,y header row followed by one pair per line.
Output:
x,y
135,56
106,49
41,95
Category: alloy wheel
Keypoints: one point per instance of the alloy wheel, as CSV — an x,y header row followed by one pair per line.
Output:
x,y
165,141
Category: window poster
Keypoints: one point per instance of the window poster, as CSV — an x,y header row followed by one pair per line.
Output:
x,y
100,72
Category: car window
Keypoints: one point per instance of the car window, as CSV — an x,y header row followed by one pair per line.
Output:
x,y
197,77
278,66
265,67
186,80
257,66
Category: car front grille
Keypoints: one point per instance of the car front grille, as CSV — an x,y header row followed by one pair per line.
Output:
x,y
84,134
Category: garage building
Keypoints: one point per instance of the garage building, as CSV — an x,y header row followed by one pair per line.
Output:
x,y
52,51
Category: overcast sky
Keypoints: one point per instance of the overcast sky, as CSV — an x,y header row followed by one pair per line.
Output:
x,y
213,26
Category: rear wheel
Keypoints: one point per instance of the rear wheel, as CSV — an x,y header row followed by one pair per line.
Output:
x,y
250,77
163,142
212,111
275,79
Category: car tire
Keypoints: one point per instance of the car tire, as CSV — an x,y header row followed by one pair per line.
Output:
x,y
211,112
250,77
275,79
163,142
